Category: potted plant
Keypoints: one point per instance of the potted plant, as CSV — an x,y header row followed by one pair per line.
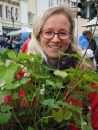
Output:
x,y
37,99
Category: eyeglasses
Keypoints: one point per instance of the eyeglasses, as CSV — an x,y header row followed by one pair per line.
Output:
x,y
46,34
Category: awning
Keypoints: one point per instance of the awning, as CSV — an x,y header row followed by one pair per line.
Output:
x,y
91,23
25,29
11,28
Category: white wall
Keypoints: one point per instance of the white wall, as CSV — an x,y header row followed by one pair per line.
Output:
x,y
41,6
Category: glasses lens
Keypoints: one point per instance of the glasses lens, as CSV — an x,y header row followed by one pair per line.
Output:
x,y
64,35
47,34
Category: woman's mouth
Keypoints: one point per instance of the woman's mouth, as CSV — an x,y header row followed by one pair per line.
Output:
x,y
55,47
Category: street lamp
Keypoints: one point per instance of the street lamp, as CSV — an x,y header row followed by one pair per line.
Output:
x,y
12,17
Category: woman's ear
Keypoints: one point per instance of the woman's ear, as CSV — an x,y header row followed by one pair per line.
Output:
x,y
38,38
69,41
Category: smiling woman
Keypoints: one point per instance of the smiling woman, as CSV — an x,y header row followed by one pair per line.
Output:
x,y
56,94
52,36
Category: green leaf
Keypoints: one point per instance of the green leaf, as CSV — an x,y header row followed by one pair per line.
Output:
x,y
15,96
45,120
5,108
67,114
87,78
77,119
1,95
12,55
57,114
38,76
12,85
61,103
7,73
50,102
23,56
59,84
88,128
75,108
60,73
30,128
4,117
75,71
76,56
49,82
6,92
24,80
16,84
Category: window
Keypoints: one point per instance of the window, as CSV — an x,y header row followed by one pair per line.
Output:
x,y
74,4
30,17
6,9
16,13
0,10
12,11
58,1
51,3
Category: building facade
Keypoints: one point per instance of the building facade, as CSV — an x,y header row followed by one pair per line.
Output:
x,y
16,15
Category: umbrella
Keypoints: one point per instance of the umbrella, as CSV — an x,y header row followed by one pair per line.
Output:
x,y
14,33
91,23
24,36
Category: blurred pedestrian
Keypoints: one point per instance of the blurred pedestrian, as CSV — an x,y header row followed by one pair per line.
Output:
x,y
16,43
3,41
96,55
0,39
83,40
92,44
25,44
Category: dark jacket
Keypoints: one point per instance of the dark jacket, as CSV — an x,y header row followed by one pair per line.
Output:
x,y
3,43
96,55
93,45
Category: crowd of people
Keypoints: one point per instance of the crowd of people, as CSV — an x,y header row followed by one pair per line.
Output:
x,y
14,43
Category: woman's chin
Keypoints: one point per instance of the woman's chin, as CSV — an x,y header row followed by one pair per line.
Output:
x,y
54,56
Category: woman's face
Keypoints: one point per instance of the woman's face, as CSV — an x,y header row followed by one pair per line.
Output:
x,y
57,23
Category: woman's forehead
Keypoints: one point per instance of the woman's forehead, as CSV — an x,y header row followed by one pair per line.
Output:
x,y
57,20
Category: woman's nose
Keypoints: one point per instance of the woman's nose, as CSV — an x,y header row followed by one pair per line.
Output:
x,y
55,38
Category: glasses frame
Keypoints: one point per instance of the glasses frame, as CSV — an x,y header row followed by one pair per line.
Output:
x,y
70,33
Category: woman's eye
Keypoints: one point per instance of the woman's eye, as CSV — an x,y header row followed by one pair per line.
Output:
x,y
48,32
63,33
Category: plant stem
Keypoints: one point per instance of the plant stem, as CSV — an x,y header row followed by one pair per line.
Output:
x,y
18,121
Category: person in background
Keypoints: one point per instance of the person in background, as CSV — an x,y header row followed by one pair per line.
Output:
x,y
83,40
0,39
4,41
25,44
9,43
20,43
96,55
16,44
92,44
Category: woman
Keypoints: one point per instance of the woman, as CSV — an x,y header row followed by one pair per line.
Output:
x,y
53,32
